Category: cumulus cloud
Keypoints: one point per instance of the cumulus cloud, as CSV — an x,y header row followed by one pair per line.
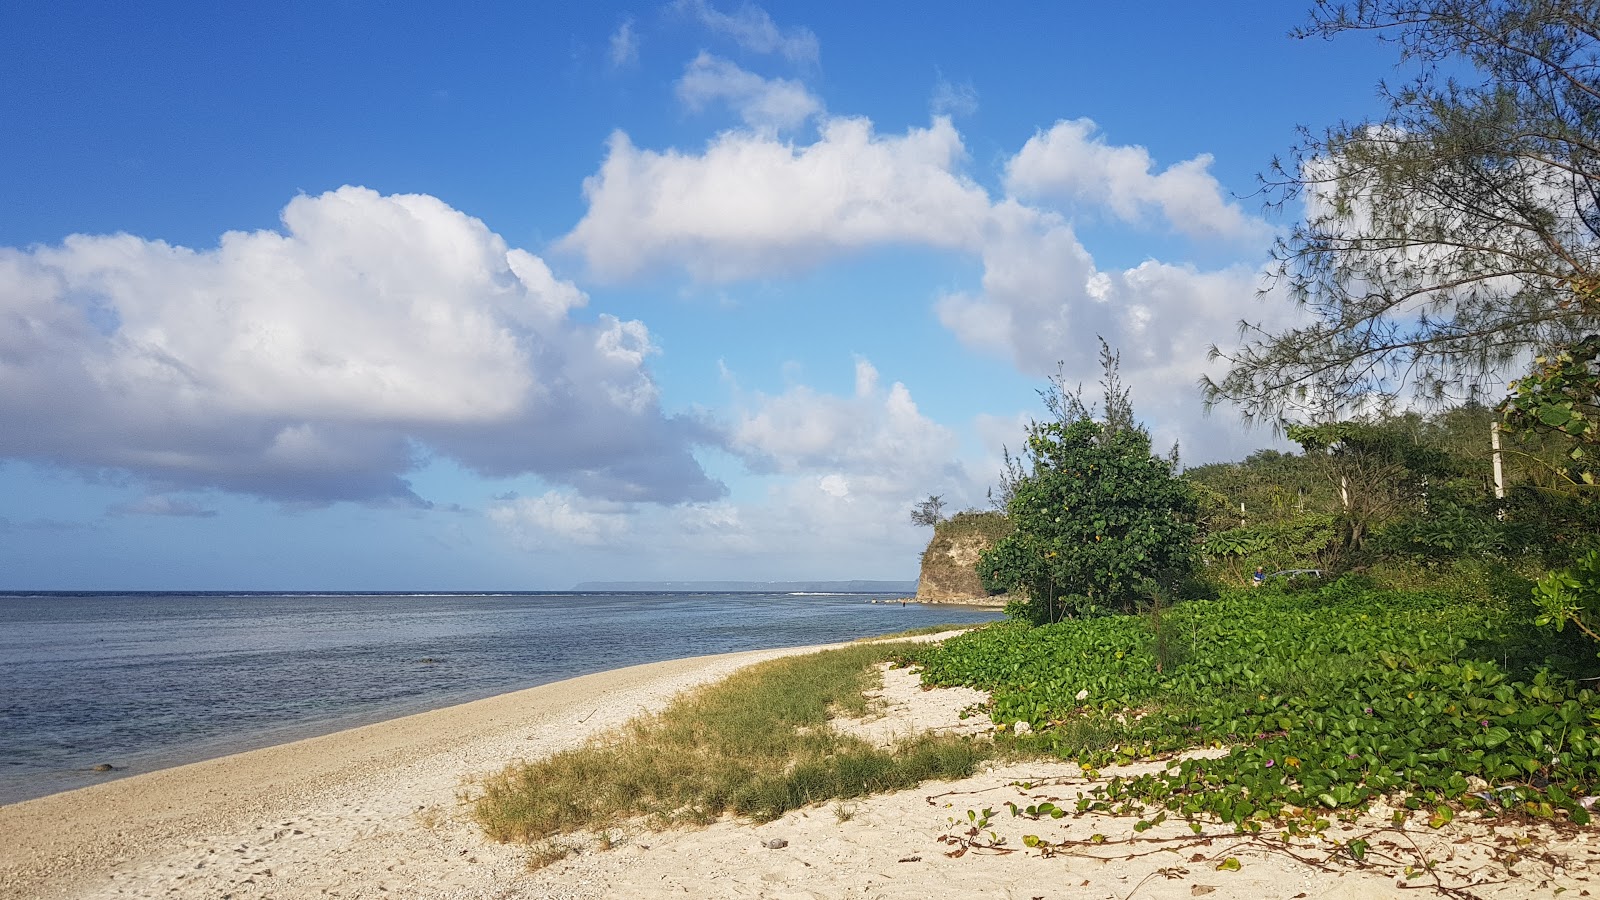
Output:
x,y
1073,162
753,205
841,472
754,30
764,104
560,518
324,361
874,445
1044,301
836,477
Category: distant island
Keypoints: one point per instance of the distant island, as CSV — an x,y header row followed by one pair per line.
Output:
x,y
899,588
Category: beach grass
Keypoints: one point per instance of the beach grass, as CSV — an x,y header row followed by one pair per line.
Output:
x,y
757,744
920,631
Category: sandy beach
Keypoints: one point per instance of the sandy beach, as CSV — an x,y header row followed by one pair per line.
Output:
x,y
384,811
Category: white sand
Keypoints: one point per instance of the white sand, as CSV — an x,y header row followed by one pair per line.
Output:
x,y
379,812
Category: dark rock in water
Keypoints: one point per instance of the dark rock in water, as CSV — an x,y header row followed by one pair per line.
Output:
x,y
104,767
431,660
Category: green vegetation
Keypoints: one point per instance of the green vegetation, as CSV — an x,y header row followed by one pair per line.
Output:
x,y
1098,523
1392,489
757,744
918,631
929,512
1449,697
1572,596
1562,396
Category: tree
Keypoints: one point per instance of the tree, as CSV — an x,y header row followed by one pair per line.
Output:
x,y
1379,469
1446,239
929,512
1098,521
1066,406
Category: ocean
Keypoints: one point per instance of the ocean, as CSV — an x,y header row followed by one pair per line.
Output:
x,y
143,681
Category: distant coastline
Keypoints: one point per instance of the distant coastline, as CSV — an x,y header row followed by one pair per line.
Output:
x,y
898,588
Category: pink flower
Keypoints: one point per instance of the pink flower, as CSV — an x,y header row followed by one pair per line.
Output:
x,y
1269,763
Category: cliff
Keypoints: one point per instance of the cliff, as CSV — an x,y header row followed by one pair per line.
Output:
x,y
949,565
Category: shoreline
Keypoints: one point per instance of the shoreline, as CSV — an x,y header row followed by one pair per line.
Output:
x,y
987,603
385,811
93,693
87,841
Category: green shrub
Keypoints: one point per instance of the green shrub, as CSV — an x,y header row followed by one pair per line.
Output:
x,y
1572,596
1100,523
1326,697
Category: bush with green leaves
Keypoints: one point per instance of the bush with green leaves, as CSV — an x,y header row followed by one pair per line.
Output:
x,y
1572,596
1452,531
1562,396
1098,523
1324,699
1304,542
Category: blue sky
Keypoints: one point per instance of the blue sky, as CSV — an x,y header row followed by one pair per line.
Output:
x,y
350,295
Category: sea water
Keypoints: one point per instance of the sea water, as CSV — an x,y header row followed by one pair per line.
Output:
x,y
141,681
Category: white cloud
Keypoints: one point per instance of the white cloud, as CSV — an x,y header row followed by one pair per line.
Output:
x,y
1044,301
835,479
1072,162
558,519
753,205
624,44
754,30
873,448
325,361
764,104
951,99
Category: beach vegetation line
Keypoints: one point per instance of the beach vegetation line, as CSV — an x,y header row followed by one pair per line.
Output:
x,y
756,744
1320,700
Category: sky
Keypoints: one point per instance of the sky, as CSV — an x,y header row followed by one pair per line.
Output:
x,y
350,295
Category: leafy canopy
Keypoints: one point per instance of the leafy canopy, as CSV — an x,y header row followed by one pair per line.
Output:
x,y
1444,240
1098,520
1561,396
929,512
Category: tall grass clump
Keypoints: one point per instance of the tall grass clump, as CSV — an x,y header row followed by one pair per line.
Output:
x,y
757,744
1325,698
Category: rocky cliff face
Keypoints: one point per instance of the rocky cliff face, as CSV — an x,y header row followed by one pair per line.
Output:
x,y
949,565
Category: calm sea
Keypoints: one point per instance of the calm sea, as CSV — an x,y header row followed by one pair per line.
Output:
x,y
143,681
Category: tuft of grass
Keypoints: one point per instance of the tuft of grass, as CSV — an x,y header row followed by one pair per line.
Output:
x,y
756,744
548,853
